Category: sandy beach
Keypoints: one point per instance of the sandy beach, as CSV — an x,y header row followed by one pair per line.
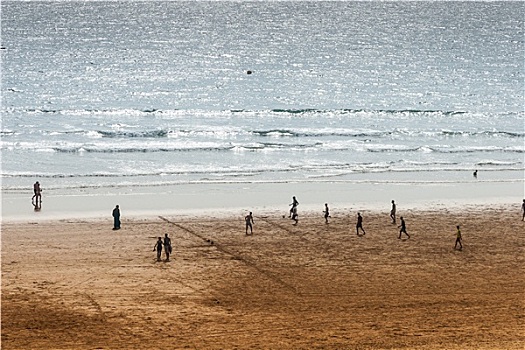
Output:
x,y
77,284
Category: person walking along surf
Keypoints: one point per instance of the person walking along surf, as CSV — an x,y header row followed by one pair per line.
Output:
x,y
294,205
37,196
326,213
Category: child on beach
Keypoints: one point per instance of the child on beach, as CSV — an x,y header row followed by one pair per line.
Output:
x,y
249,221
167,246
403,228
158,248
326,213
359,224
458,239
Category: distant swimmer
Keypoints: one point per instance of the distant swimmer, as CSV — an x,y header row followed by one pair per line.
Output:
x,y
116,218
458,239
249,221
523,210
393,212
359,224
326,213
158,248
294,205
403,228
167,246
475,173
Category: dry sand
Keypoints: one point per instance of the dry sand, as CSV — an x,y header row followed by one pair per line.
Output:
x,y
80,285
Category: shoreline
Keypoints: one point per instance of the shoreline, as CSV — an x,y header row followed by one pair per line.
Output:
x,y
231,199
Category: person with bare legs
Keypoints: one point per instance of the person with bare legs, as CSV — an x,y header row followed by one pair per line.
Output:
x,y
523,210
249,221
403,228
359,224
295,216
37,196
326,213
393,212
158,248
458,239
294,205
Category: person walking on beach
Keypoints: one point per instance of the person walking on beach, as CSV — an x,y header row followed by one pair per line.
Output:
x,y
403,228
475,174
326,213
249,221
294,205
116,218
158,248
359,224
393,212
523,210
295,216
458,239
37,194
167,246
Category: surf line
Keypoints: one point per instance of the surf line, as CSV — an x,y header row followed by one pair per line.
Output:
x,y
246,261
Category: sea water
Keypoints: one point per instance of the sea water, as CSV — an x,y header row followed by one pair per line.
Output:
x,y
109,94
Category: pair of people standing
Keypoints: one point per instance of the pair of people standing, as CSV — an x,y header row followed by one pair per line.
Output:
x,y
166,245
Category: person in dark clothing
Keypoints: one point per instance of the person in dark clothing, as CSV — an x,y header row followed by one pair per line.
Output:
x,y
359,224
403,228
116,218
167,246
158,248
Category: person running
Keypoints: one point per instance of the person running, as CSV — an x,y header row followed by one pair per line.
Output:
x,y
295,216
326,213
249,221
523,210
167,246
403,228
359,224
116,218
158,248
393,212
458,239
294,205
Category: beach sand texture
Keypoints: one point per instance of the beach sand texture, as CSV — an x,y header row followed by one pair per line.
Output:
x,y
79,285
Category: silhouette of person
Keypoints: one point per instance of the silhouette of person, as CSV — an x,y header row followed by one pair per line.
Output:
x,y
393,212
249,221
37,195
326,213
403,228
523,210
167,246
458,239
158,248
294,205
359,224
116,218
475,173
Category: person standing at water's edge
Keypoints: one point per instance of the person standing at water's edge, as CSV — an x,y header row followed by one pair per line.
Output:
x,y
403,228
249,221
523,210
393,212
116,218
37,195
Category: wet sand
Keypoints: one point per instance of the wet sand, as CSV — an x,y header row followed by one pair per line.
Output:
x,y
77,284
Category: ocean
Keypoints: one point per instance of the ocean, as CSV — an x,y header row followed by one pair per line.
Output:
x,y
123,93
